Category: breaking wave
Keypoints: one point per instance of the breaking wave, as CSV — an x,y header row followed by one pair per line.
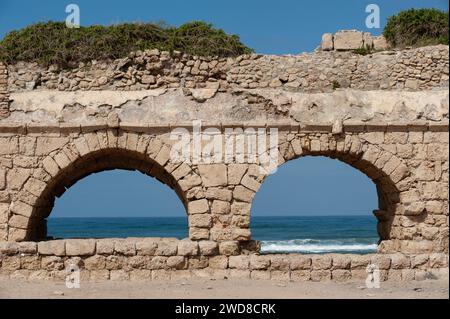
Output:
x,y
319,246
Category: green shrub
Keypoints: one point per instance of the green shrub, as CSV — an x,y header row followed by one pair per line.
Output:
x,y
53,43
417,27
365,50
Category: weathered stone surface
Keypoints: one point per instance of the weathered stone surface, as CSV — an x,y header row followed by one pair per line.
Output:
x,y
218,262
300,263
21,208
146,247
80,247
200,220
259,262
348,40
327,42
220,207
239,262
125,247
8,248
208,248
53,247
213,174
235,173
321,262
105,246
198,207
243,194
176,262
198,233
229,248
28,247
167,248
96,262
218,193
187,248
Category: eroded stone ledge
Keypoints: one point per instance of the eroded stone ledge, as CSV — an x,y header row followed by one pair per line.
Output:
x,y
288,126
238,107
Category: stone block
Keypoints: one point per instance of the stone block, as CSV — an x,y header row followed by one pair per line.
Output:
x,y
208,248
218,262
28,247
327,43
259,262
52,247
198,207
167,248
125,247
300,263
279,262
341,262
80,247
229,248
52,263
10,263
213,174
105,247
219,194
146,247
200,220
348,40
8,248
96,262
243,194
220,207
157,262
300,275
321,262
320,275
239,262
187,248
196,233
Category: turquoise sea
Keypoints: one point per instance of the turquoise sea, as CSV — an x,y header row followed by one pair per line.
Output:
x,y
305,234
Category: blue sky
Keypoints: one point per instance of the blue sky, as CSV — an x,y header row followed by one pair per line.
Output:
x,y
278,27
305,186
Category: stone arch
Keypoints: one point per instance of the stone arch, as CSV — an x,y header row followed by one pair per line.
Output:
x,y
385,169
79,158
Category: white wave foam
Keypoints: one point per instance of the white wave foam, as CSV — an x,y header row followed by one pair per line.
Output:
x,y
315,246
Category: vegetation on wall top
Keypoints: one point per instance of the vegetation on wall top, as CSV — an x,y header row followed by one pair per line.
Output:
x,y
417,27
53,43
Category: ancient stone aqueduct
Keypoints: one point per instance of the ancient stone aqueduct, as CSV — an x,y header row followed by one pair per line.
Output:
x,y
386,114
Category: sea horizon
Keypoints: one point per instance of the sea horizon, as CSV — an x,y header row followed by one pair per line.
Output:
x,y
277,234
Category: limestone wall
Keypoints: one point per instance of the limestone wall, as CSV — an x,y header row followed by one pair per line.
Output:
x,y
165,259
408,164
4,98
416,69
385,114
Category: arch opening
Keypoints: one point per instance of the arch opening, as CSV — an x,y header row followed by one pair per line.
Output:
x,y
96,162
329,203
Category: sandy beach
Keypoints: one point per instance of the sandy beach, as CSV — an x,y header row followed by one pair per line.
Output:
x,y
231,289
